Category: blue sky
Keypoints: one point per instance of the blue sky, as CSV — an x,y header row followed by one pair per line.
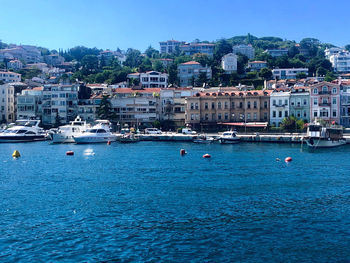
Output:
x,y
135,23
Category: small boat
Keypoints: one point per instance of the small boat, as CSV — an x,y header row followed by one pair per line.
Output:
x,y
129,138
23,131
319,136
64,134
99,133
203,139
229,137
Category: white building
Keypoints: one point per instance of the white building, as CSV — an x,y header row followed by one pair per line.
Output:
x,y
188,72
332,51
279,107
170,46
14,64
257,65
61,100
340,62
7,103
29,103
246,50
151,79
8,77
229,63
288,73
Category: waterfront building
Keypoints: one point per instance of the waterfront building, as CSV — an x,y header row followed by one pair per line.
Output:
x,y
341,62
277,52
257,65
300,103
188,72
288,73
332,51
87,108
151,79
61,100
279,107
173,105
14,64
229,63
246,50
170,46
345,105
325,102
136,107
29,103
193,48
7,103
207,109
7,77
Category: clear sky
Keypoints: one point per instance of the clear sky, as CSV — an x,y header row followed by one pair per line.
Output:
x,y
135,23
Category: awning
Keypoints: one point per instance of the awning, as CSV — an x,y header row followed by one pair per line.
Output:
x,y
248,124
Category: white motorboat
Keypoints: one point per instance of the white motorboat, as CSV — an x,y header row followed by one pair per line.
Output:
x,y
203,139
23,131
319,136
64,134
99,133
129,138
229,137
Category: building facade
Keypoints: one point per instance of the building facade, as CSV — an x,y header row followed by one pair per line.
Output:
x,y
246,50
170,46
193,48
288,73
207,109
14,64
229,63
345,108
300,103
7,77
325,102
29,103
279,107
257,65
7,103
341,62
151,79
188,72
277,52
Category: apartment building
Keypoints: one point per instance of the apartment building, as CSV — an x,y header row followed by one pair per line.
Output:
x,y
188,72
257,65
14,64
325,102
7,77
288,73
207,109
193,48
341,62
170,46
7,103
300,103
151,79
279,107
229,63
29,103
246,50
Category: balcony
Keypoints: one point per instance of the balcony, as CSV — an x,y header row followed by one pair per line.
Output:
x,y
324,92
280,105
325,104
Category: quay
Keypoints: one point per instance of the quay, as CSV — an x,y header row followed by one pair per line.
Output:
x,y
246,137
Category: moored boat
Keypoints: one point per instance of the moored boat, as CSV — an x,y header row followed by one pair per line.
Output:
x,y
229,137
203,139
23,131
129,138
99,133
64,134
319,136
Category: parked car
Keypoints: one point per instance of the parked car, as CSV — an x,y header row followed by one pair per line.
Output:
x,y
188,131
152,131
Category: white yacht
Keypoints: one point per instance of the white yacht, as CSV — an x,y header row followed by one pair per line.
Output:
x,y
319,136
203,139
229,137
65,133
23,131
99,133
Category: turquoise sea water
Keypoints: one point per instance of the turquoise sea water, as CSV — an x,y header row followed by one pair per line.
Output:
x,y
143,202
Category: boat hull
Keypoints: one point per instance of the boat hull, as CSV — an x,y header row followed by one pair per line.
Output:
x,y
319,143
7,139
94,139
62,138
229,141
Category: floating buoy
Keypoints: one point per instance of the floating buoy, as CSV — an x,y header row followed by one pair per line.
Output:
x,y
109,143
16,154
278,159
207,155
182,152
69,153
288,159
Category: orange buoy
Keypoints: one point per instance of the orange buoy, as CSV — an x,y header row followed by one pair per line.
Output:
x,y
207,155
69,153
288,159
182,152
109,143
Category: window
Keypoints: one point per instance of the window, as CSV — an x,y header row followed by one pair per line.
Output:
x,y
255,104
315,91
315,113
248,116
286,113
274,114
305,102
280,102
334,90
248,105
265,104
213,105
241,105
219,116
334,113
206,105
324,100
219,105
315,102
280,114
334,101
255,116
274,102
206,117
285,102
265,115
226,105
192,106
233,105
192,117
298,114
196,106
292,102
304,114
226,116
324,88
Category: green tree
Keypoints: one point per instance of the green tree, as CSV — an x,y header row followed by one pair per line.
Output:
x,y
329,76
90,64
347,47
222,48
146,65
291,123
172,71
104,111
158,66
133,58
151,52
301,75
202,78
265,73
203,59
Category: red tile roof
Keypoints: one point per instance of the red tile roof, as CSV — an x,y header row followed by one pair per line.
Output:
x,y
191,63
